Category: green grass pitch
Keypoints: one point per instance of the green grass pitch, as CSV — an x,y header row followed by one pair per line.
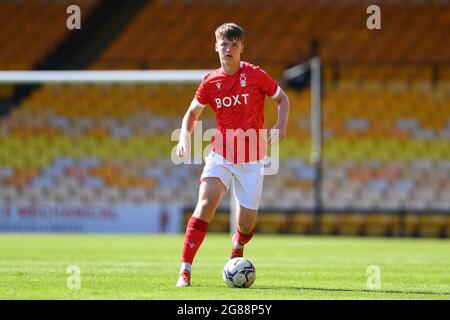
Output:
x,y
34,266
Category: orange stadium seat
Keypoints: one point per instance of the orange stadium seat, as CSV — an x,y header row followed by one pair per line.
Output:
x,y
38,23
299,20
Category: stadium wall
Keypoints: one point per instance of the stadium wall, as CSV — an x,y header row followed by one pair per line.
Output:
x,y
95,218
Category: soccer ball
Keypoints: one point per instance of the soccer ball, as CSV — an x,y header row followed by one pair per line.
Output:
x,y
239,273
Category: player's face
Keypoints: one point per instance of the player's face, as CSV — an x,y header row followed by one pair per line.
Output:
x,y
229,50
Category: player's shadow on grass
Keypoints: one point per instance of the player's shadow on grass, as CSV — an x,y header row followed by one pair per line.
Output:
x,y
353,290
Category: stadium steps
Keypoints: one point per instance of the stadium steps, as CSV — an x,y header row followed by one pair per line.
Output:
x,y
39,35
102,26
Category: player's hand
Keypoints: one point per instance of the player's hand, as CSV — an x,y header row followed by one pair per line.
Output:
x,y
277,133
183,147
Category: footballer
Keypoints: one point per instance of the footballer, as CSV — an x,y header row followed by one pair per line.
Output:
x,y
236,92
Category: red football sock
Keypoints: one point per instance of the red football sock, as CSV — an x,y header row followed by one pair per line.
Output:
x,y
195,233
243,239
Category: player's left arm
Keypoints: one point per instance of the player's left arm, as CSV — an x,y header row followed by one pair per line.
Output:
x,y
283,115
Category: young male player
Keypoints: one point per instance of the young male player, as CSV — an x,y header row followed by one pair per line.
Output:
x,y
236,92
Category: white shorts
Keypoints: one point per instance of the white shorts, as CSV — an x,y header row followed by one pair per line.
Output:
x,y
247,182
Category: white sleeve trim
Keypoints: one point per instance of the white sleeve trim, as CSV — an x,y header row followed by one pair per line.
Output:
x,y
276,93
197,103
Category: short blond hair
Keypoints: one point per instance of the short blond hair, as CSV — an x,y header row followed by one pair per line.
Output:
x,y
230,32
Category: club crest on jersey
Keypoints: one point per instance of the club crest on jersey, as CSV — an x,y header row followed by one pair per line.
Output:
x,y
243,80
218,85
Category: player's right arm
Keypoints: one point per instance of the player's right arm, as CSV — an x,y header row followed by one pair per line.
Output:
x,y
189,120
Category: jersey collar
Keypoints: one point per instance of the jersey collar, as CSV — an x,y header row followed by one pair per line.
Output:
x,y
241,64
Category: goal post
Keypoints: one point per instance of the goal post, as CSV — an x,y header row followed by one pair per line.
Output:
x,y
313,67
104,76
316,137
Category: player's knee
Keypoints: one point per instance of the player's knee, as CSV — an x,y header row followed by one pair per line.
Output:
x,y
246,228
206,207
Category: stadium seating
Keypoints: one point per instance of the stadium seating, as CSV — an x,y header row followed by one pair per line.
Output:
x,y
432,225
299,21
302,222
373,158
385,145
42,27
386,224
329,223
272,222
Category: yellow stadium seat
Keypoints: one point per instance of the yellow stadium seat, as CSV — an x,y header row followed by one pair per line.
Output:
x,y
302,223
432,225
382,225
351,223
220,223
329,223
275,222
411,225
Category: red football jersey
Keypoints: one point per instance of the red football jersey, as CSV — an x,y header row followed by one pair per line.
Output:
x,y
238,101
